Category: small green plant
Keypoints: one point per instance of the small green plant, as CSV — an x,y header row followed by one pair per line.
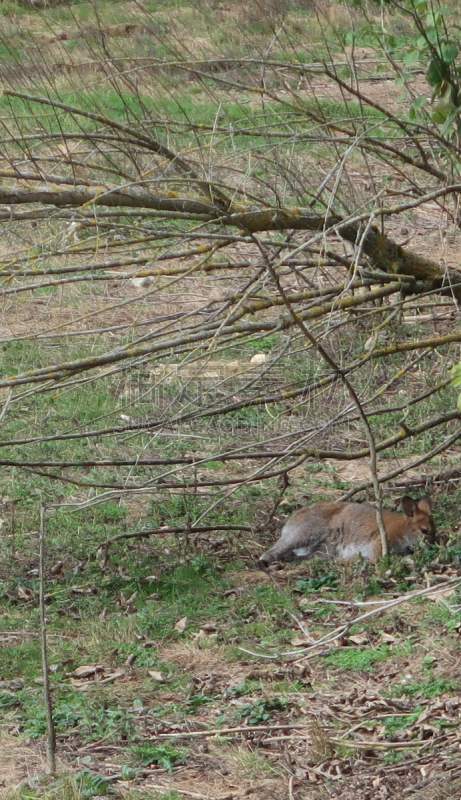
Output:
x,y
372,588
395,756
394,724
196,701
307,585
354,659
91,784
9,700
432,687
165,755
259,712
238,691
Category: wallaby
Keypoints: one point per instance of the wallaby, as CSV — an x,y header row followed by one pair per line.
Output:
x,y
343,530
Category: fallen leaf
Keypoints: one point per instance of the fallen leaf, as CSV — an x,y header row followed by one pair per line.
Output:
x,y
359,638
80,686
299,641
86,590
126,602
156,675
387,638
181,625
24,593
87,671
203,635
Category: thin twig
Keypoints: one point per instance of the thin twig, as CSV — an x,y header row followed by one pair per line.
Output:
x,y
51,735
339,632
226,731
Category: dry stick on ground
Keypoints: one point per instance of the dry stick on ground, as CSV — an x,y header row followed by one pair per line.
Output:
x,y
231,796
179,529
227,731
51,736
300,727
372,745
333,636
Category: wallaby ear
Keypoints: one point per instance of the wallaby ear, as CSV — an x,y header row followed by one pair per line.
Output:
x,y
409,506
424,504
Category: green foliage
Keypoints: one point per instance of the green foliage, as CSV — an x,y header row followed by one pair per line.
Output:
x,y
354,659
88,716
394,724
431,687
195,702
91,784
309,585
437,46
23,659
395,756
432,40
165,755
372,588
260,712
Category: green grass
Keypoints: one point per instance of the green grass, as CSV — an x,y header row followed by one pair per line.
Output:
x,y
227,667
394,724
165,755
429,688
357,660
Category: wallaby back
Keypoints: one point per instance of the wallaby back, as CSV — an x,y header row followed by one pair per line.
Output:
x,y
343,530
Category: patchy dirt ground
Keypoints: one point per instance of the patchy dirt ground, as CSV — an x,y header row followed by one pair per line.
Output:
x,y
374,713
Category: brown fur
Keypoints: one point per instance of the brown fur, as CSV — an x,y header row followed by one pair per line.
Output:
x,y
343,530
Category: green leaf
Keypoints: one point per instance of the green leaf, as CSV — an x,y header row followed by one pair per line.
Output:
x,y
437,72
449,53
433,20
419,103
458,404
416,106
432,35
442,112
450,120
411,58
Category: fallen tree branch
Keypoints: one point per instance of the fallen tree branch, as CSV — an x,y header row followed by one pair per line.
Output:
x,y
339,632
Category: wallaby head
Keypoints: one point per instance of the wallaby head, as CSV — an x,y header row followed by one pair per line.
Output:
x,y
343,530
420,515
